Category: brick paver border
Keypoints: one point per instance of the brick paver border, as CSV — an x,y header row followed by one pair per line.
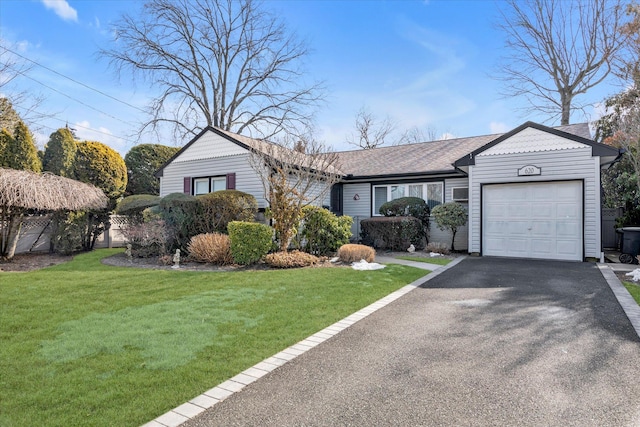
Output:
x,y
626,301
199,404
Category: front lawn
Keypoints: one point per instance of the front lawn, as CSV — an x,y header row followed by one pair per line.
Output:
x,y
85,344
634,290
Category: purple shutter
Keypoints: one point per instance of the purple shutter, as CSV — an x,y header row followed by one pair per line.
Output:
x,y
187,185
231,181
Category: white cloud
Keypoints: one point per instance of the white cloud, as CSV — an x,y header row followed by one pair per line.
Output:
x,y
62,9
498,127
84,131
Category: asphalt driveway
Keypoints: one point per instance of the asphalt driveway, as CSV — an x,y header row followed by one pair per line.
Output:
x,y
489,342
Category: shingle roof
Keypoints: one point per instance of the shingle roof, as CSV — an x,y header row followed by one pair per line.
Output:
x,y
435,156
422,158
282,154
426,157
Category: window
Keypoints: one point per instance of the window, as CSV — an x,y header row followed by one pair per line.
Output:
x,y
379,197
209,185
200,186
460,194
434,192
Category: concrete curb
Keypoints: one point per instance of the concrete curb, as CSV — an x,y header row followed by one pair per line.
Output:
x,y
626,301
208,399
417,264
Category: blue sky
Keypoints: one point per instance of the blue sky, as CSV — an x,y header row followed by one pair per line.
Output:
x,y
423,63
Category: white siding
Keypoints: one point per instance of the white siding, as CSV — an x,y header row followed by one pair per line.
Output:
x,y
564,165
209,146
247,179
531,140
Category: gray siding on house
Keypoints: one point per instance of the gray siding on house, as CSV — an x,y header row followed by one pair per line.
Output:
x,y
441,236
556,165
247,180
318,194
357,209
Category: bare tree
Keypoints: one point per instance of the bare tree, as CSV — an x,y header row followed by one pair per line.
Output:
x,y
416,135
13,68
222,63
295,172
371,132
559,49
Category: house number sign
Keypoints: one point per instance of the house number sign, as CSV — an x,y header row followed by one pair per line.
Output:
x,y
529,170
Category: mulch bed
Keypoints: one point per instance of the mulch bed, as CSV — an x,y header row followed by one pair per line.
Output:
x,y
38,260
33,261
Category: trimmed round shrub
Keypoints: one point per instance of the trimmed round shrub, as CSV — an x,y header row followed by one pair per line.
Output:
x,y
219,208
180,212
102,166
250,241
213,248
407,206
133,206
449,217
352,252
323,232
293,259
395,233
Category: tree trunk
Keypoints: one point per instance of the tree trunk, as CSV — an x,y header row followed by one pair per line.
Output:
x,y
453,238
14,234
566,109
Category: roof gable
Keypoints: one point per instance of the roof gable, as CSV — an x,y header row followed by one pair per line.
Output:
x,y
532,140
520,140
206,139
210,145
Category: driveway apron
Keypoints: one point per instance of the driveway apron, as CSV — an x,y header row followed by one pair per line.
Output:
x,y
489,342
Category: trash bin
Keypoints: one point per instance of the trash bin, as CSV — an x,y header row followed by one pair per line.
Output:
x,y
630,245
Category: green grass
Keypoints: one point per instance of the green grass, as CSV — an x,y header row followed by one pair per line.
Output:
x,y
87,344
434,260
634,290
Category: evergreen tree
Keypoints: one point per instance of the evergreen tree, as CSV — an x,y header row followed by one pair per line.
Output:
x,y
21,152
5,141
142,163
9,118
102,166
60,153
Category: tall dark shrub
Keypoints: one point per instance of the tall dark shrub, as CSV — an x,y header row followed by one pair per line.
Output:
x,y
408,206
222,207
180,213
396,233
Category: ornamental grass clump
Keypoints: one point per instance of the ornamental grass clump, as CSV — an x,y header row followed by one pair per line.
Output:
x,y
353,253
212,248
293,259
438,247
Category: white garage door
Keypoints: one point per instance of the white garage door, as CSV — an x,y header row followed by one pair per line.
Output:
x,y
535,220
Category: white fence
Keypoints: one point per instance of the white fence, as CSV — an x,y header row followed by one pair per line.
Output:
x,y
34,236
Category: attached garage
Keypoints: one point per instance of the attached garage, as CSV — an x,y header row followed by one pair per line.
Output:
x,y
535,193
533,220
